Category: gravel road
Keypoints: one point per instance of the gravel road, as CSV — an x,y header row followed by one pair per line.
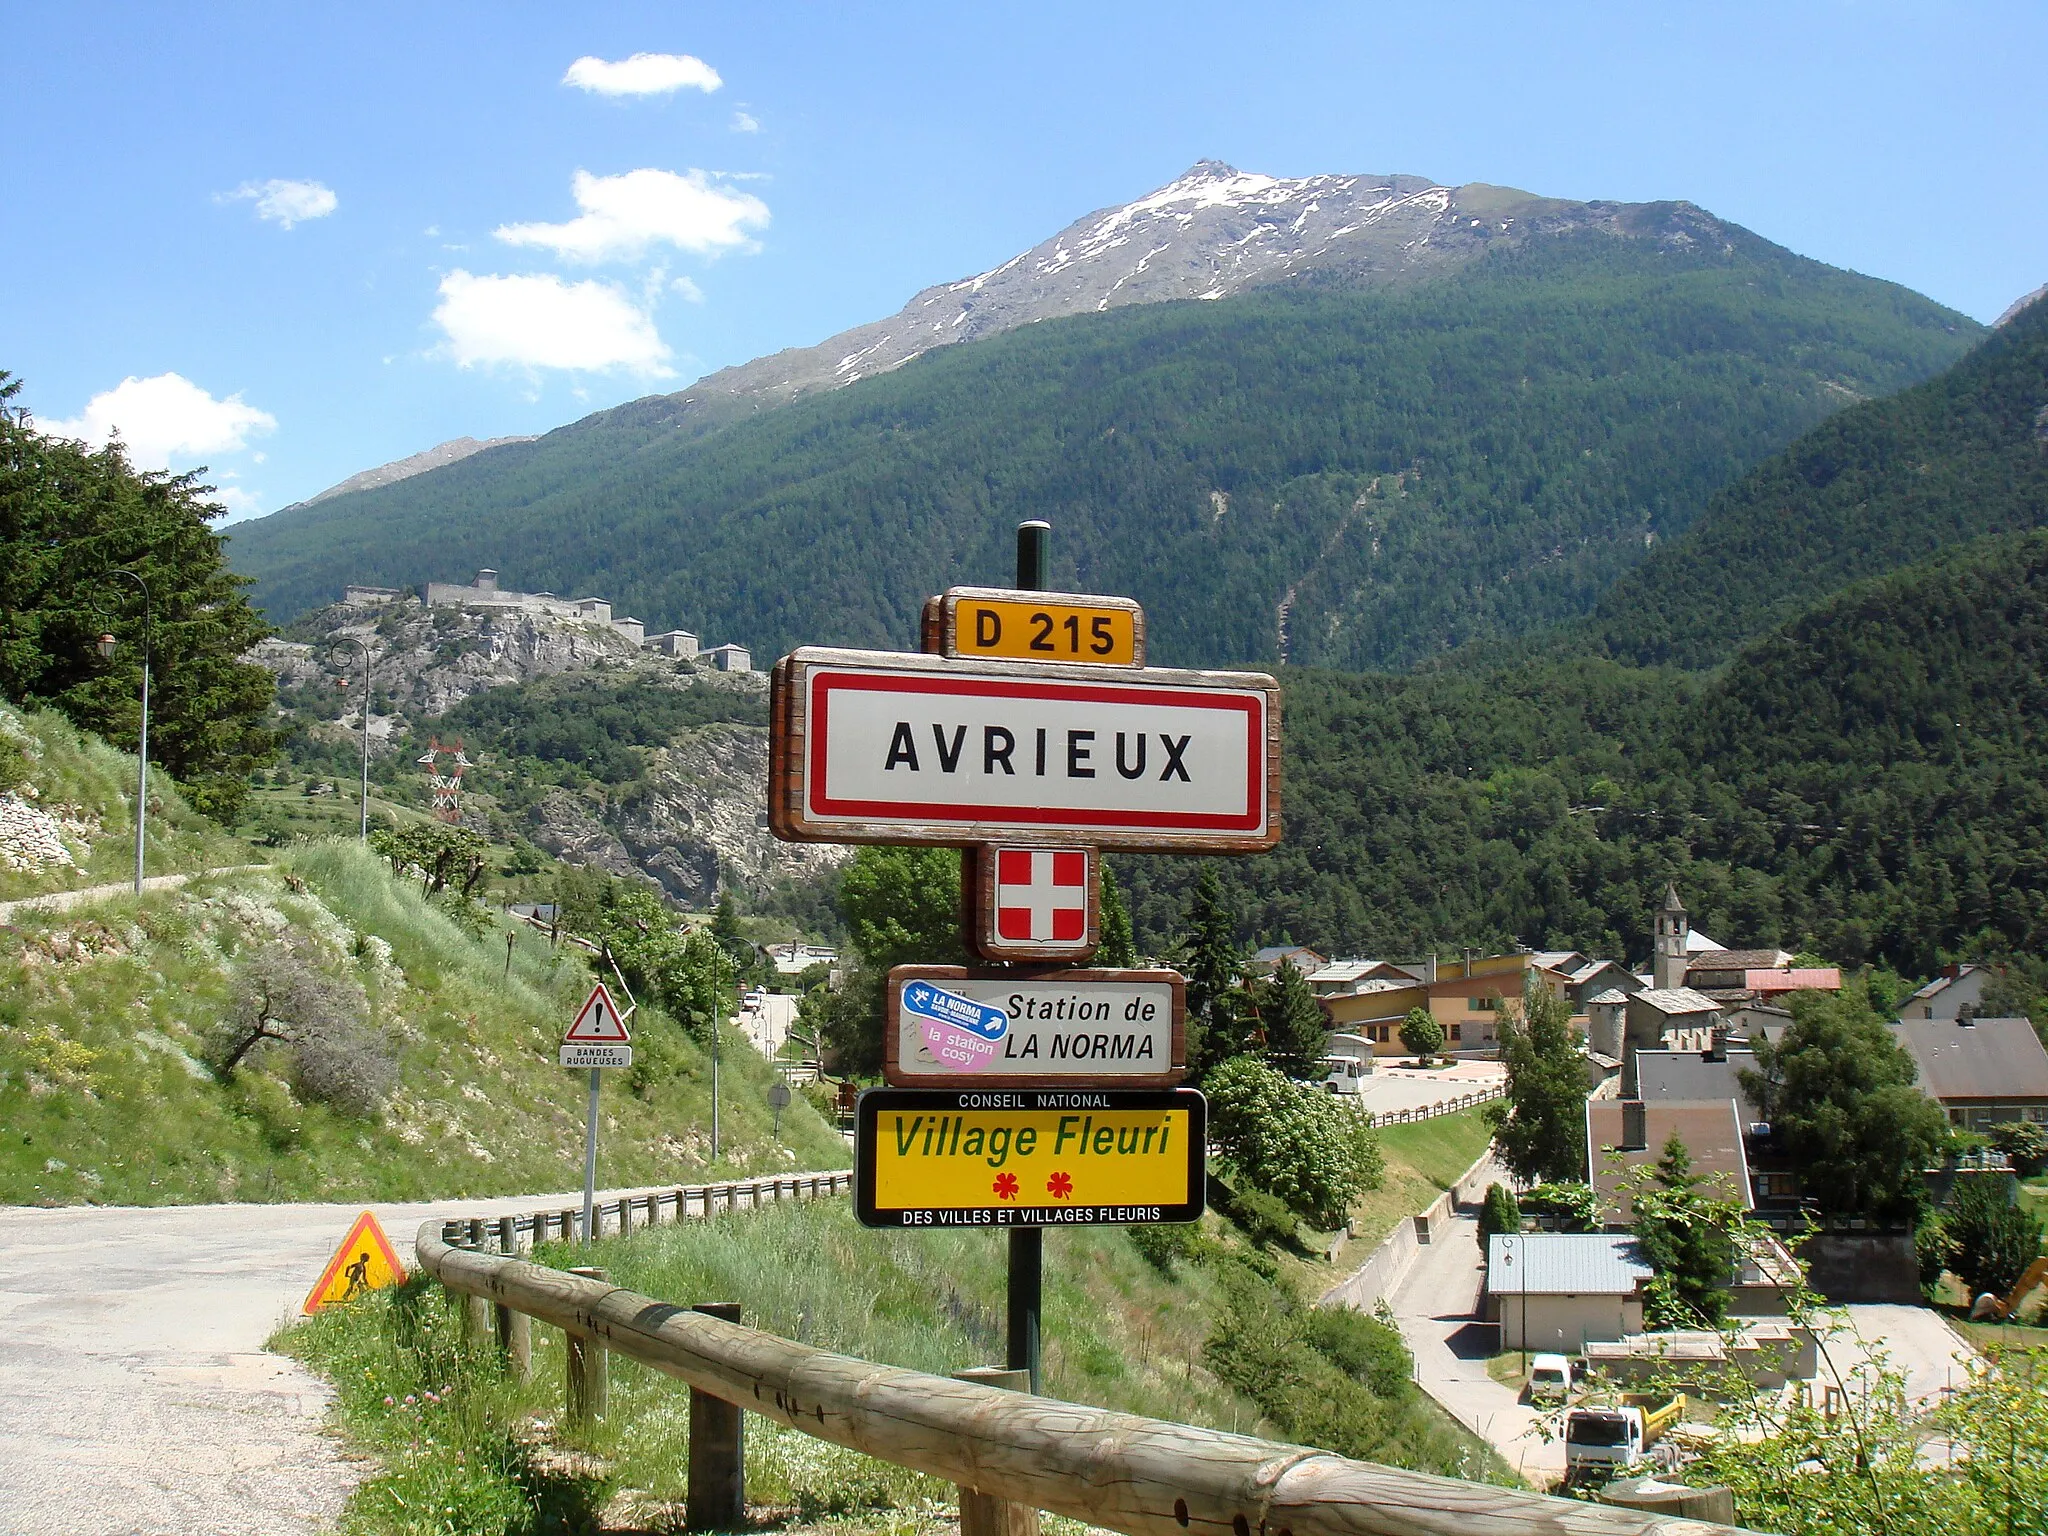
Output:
x,y
135,1394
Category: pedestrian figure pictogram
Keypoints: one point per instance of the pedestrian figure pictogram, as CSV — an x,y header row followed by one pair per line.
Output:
x,y
365,1261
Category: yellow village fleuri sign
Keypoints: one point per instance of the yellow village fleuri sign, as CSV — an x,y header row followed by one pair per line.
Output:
x,y
988,1157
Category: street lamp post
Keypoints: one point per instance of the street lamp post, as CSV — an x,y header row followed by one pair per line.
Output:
x,y
363,799
106,650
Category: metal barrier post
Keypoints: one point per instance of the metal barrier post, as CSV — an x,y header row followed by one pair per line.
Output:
x,y
717,1494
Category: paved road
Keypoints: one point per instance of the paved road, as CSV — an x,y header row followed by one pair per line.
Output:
x,y
58,901
767,1021
1435,1305
1391,1088
135,1395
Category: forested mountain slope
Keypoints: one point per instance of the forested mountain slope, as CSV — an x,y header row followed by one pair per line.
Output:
x,y
1384,473
1877,487
1872,777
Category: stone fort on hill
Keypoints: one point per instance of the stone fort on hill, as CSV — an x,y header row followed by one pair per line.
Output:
x,y
485,592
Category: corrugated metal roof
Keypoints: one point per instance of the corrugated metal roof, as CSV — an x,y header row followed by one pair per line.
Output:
x,y
1563,1264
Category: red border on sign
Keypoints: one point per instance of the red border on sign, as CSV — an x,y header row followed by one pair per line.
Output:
x,y
1252,707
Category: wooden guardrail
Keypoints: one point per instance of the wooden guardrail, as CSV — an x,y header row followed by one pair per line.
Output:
x,y
627,1213
1138,1476
1445,1107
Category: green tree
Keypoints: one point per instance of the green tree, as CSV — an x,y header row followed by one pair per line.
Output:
x,y
1220,1026
441,857
1421,1034
69,517
1292,1140
2025,1146
1682,1228
1119,947
1500,1213
1571,1205
1539,1128
1991,1239
901,907
1839,1094
1294,1023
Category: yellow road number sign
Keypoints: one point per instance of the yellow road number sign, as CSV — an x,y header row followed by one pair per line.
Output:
x,y
1041,626
1001,1158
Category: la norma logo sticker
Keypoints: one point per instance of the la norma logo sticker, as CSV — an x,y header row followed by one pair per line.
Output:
x,y
365,1261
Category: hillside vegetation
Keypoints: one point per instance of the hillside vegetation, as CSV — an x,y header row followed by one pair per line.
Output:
x,y
1401,471
1216,1340
417,1056
1868,780
1880,486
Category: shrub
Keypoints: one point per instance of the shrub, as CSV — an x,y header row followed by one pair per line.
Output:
x,y
1292,1141
1361,1346
2025,1146
1265,1219
1500,1213
1571,1205
1421,1034
1994,1239
284,1000
1166,1245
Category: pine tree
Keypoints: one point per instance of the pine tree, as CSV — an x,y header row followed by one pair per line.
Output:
x,y
1118,947
1219,1026
1681,1227
1295,1025
1540,1127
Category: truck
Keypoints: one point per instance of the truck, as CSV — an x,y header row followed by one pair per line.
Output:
x,y
1600,1441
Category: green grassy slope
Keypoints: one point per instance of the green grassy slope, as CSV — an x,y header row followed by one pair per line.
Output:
x,y
50,766
1191,1346
1479,455
1878,487
105,1013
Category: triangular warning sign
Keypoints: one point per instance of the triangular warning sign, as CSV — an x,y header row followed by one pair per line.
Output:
x,y
365,1261
598,1021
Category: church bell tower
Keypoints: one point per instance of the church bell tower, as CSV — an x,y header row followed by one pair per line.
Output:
x,y
1668,965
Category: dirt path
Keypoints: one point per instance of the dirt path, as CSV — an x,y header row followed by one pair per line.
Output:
x,y
58,901
135,1394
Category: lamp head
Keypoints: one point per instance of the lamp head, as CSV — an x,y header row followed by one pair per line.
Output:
x,y
106,647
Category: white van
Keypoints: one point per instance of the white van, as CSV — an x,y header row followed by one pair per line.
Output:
x,y
1550,1379
1345,1074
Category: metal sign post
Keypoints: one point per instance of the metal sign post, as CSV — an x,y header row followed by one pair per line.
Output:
x,y
1030,734
597,1039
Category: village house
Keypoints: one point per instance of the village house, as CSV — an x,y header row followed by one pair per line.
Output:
x,y
1958,990
1564,1290
1982,1072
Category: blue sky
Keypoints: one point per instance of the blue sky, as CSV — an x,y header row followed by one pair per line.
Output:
x,y
291,242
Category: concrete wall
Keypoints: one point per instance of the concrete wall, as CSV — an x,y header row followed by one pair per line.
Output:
x,y
1386,1266
1863,1266
1566,1324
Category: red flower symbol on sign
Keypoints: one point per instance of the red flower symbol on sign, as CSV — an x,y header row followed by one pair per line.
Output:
x,y
1006,1186
1060,1185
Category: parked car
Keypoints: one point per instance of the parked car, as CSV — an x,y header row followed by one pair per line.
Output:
x,y
1550,1379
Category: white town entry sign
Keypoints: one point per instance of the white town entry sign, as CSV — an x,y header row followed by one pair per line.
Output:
x,y
892,747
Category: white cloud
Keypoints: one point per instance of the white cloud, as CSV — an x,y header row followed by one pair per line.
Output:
x,y
745,122
625,216
687,289
240,503
543,322
644,74
287,202
164,417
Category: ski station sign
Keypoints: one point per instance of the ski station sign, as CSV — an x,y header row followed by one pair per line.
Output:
x,y
1017,1028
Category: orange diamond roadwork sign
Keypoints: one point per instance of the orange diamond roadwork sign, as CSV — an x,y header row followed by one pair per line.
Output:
x,y
599,1037
365,1261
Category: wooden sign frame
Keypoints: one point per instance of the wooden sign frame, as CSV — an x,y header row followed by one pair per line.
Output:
x,y
900,1074
940,628
791,746
978,869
